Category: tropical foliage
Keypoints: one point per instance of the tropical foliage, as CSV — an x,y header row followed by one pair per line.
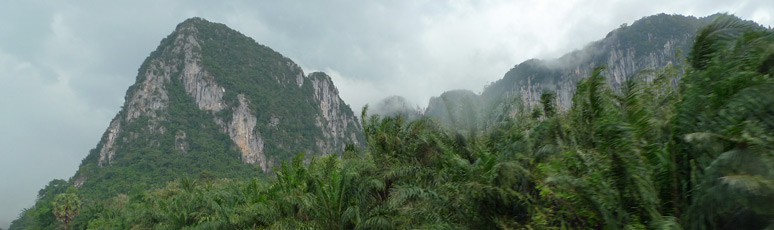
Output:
x,y
66,207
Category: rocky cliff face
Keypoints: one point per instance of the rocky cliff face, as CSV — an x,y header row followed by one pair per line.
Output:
x,y
207,85
648,44
336,120
150,97
621,63
242,130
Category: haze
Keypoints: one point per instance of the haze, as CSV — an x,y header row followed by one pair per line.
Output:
x,y
65,66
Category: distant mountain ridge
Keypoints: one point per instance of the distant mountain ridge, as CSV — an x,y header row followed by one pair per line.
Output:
x,y
650,43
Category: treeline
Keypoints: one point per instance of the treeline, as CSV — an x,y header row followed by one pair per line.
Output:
x,y
654,154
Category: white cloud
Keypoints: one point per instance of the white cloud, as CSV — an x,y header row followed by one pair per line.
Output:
x,y
358,91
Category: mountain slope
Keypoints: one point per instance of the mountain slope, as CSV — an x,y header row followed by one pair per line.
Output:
x,y
648,44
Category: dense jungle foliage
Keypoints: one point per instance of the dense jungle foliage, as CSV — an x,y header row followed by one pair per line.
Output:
x,y
653,155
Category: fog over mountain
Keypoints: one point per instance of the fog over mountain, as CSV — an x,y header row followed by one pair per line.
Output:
x,y
65,66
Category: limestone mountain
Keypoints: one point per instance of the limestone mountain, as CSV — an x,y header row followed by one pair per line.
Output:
x,y
395,106
459,108
211,99
650,43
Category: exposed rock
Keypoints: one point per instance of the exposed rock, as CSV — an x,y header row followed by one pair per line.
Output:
x,y
300,73
201,85
198,83
638,50
326,94
274,121
334,123
621,64
151,95
180,142
106,152
79,182
242,131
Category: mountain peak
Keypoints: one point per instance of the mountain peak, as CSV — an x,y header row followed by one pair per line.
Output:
x,y
210,98
194,20
197,22
200,29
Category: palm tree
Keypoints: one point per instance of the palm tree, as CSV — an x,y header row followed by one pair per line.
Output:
x,y
66,207
722,130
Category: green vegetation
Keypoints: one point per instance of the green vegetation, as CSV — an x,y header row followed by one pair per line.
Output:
x,y
653,32
66,207
652,155
261,74
152,160
41,214
269,81
547,100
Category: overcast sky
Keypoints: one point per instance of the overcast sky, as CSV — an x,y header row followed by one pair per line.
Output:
x,y
65,65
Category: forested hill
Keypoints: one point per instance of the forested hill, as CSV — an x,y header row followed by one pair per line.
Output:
x,y
648,44
209,101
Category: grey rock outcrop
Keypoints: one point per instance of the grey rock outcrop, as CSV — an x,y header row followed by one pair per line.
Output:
x,y
647,45
151,97
181,144
621,64
242,131
106,152
337,126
